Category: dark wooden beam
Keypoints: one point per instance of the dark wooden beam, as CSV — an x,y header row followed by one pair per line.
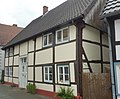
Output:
x,y
53,60
34,61
87,61
101,52
79,68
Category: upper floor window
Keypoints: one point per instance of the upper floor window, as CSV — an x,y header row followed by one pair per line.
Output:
x,y
48,76
47,40
7,53
62,35
63,74
11,51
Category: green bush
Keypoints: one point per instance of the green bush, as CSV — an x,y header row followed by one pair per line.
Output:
x,y
66,93
31,88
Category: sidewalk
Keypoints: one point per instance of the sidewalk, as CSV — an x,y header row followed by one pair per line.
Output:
x,y
8,92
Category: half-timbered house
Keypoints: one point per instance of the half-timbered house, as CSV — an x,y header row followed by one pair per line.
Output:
x,y
54,49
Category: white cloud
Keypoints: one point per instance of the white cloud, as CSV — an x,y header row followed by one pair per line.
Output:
x,y
22,12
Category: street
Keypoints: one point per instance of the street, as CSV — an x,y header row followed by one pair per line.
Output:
x,y
8,92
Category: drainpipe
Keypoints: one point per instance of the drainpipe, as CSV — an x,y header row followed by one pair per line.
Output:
x,y
111,61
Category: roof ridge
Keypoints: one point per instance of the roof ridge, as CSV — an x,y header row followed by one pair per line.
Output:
x,y
90,6
63,13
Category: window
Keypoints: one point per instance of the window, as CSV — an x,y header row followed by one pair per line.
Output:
x,y
48,75
63,74
47,40
7,53
11,51
62,35
10,71
6,71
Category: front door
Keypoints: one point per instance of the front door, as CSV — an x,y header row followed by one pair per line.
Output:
x,y
23,72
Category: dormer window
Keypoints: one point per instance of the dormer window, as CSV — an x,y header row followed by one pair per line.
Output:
x,y
62,35
47,40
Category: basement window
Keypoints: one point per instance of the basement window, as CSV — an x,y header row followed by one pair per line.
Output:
x,y
47,40
63,74
48,74
62,35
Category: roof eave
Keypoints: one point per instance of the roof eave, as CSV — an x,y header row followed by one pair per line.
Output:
x,y
110,14
67,22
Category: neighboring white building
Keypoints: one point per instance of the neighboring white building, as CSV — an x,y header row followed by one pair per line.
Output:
x,y
7,32
111,15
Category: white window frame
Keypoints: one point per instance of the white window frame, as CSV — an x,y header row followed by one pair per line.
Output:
x,y
10,71
48,74
48,44
62,40
63,81
6,71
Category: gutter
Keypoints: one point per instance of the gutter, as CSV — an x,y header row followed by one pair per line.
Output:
x,y
111,61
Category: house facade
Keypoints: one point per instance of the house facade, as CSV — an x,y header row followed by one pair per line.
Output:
x,y
54,51
7,32
111,15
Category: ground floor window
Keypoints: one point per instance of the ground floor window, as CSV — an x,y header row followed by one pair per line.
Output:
x,y
48,74
63,74
6,71
10,71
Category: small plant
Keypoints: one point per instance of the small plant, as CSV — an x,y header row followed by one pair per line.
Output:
x,y
31,88
66,93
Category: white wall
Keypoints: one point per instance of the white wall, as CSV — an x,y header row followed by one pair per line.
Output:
x,y
65,52
24,48
2,57
44,56
31,45
38,43
117,30
38,74
16,49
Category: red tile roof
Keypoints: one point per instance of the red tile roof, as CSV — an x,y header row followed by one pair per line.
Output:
x,y
8,32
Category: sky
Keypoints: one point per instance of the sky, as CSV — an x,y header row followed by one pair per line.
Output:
x,y
22,12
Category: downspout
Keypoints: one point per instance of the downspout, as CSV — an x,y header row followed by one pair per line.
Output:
x,y
111,61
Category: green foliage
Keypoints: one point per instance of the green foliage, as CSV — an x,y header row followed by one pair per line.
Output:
x,y
2,81
66,93
31,88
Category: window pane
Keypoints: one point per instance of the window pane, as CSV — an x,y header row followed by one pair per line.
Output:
x,y
65,34
61,70
50,76
24,60
66,70
50,70
59,36
6,71
46,70
66,77
46,76
61,78
10,71
23,68
50,39
45,40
